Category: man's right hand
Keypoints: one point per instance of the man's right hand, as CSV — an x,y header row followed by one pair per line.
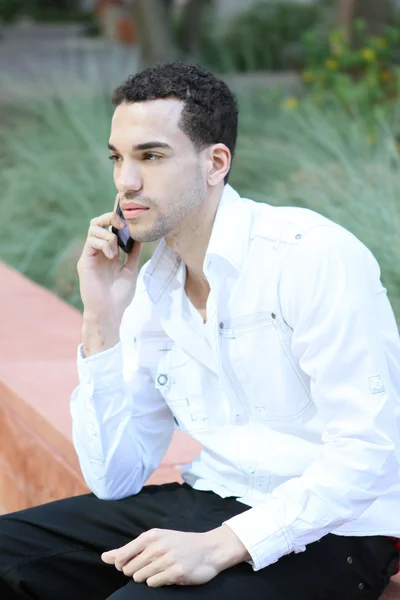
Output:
x,y
107,285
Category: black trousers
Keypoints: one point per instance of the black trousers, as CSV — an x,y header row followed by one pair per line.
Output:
x,y
52,552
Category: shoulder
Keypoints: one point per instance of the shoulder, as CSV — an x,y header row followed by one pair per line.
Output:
x,y
306,241
288,224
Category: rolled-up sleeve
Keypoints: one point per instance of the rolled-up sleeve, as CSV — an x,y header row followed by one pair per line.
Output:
x,y
332,298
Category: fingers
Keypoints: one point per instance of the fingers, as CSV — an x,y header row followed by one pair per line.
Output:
x,y
98,244
128,552
171,576
98,233
143,574
108,220
117,199
142,562
108,557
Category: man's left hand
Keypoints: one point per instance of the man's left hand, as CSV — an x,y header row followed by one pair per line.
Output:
x,y
163,557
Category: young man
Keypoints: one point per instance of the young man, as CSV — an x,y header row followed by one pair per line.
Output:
x,y
263,332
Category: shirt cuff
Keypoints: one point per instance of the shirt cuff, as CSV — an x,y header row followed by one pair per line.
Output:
x,y
265,540
102,370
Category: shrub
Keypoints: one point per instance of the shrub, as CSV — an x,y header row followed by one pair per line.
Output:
x,y
355,77
266,36
55,176
54,172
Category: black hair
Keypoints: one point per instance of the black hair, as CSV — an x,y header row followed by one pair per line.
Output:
x,y
210,112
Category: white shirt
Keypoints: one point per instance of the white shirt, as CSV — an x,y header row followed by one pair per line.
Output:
x,y
297,403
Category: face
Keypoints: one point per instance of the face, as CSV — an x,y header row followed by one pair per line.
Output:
x,y
156,166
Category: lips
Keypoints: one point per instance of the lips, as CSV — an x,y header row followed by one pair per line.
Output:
x,y
131,209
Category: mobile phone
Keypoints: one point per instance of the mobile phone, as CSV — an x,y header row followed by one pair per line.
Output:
x,y
123,235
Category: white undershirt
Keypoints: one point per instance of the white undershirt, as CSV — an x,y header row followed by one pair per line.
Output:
x,y
204,329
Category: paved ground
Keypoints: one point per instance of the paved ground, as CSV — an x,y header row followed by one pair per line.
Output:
x,y
32,54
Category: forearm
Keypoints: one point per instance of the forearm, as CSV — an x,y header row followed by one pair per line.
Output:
x,y
99,333
334,490
121,429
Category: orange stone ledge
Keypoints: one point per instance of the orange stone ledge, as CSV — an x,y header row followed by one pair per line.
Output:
x,y
39,337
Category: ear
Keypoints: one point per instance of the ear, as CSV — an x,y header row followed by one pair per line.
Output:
x,y
218,163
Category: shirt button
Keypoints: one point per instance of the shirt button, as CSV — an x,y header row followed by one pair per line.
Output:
x,y
260,482
162,379
250,469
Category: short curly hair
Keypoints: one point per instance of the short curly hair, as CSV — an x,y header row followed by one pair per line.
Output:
x,y
210,112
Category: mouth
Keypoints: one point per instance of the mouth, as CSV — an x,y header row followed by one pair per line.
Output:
x,y
132,213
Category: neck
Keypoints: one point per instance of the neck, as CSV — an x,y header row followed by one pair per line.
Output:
x,y
191,241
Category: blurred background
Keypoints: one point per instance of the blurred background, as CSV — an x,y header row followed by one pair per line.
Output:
x,y
318,85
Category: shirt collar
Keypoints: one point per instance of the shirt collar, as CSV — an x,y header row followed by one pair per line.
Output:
x,y
230,234
229,240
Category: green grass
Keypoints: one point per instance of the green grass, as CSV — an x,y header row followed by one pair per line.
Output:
x,y
54,172
55,176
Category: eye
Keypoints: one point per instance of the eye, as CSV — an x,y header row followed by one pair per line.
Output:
x,y
114,157
150,156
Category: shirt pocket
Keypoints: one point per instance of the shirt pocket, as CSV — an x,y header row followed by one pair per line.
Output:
x,y
178,378
261,365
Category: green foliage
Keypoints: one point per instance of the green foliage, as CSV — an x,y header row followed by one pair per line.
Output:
x,y
355,76
266,36
10,9
54,172
46,11
55,176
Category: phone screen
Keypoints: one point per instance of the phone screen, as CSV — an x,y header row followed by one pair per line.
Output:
x,y
123,235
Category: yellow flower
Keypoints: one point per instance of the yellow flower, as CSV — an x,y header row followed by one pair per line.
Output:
x,y
331,64
291,103
386,76
381,42
368,54
308,76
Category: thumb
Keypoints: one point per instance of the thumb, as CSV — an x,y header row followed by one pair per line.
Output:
x,y
108,557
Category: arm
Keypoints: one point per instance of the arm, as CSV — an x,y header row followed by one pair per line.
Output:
x,y
332,298
121,425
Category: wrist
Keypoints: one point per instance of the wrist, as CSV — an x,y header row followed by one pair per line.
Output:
x,y
99,333
226,548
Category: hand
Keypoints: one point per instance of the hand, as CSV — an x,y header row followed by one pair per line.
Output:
x,y
164,557
106,285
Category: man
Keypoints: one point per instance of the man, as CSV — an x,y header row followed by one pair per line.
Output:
x,y
263,332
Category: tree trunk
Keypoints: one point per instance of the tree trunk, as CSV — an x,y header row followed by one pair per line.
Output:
x,y
154,31
375,13
346,10
192,19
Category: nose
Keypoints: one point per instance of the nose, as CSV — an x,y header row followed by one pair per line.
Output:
x,y
128,178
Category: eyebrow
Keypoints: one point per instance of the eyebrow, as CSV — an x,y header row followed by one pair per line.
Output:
x,y
145,146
